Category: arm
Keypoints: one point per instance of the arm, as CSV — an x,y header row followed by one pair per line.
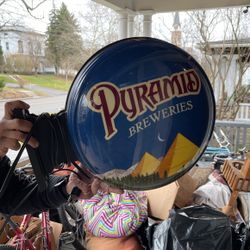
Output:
x,y
12,131
19,187
54,195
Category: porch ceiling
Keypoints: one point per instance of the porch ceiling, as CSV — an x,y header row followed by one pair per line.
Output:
x,y
157,6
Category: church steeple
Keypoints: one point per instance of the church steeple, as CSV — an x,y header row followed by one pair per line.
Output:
x,y
176,23
176,33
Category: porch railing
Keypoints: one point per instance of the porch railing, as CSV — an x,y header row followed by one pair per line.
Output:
x,y
237,132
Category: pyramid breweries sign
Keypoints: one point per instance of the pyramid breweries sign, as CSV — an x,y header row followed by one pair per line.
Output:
x,y
181,151
140,113
109,100
132,101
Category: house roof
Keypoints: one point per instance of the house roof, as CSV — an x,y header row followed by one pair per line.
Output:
x,y
244,42
226,47
157,6
19,28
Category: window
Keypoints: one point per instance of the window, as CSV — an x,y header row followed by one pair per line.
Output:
x,y
30,46
5,34
7,46
20,46
39,48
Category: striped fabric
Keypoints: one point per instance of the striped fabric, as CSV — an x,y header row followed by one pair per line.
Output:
x,y
115,215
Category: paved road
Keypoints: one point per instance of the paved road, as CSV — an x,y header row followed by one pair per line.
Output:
x,y
38,106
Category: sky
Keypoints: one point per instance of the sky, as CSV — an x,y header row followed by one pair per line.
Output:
x,y
40,23
16,9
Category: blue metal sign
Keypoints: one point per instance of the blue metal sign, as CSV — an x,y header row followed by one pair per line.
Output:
x,y
140,113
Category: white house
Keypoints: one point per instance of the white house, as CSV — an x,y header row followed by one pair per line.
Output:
x,y
21,41
230,55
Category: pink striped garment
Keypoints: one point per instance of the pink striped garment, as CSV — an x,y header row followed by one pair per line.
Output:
x,y
115,215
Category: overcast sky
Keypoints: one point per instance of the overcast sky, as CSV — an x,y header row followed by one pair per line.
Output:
x,y
42,13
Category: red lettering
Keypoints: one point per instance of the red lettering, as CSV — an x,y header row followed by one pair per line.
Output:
x,y
142,99
103,105
155,92
130,100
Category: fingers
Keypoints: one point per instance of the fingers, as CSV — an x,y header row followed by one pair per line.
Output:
x,y
97,184
18,124
3,151
13,136
90,189
11,129
10,106
115,190
9,143
85,188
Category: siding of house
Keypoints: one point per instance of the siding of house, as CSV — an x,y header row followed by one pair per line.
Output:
x,y
22,41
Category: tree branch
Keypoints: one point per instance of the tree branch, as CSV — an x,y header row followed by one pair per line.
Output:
x,y
29,8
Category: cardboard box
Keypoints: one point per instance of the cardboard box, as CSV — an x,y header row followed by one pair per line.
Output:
x,y
178,193
161,200
187,185
56,231
8,232
3,236
33,231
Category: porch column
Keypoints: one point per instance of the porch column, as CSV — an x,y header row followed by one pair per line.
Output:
x,y
123,25
147,22
131,25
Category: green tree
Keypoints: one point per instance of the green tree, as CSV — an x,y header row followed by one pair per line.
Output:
x,y
64,42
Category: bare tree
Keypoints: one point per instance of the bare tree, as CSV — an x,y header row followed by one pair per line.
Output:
x,y
10,17
99,27
35,50
218,34
238,23
29,5
163,25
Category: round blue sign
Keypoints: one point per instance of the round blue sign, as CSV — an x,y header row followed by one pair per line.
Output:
x,y
140,113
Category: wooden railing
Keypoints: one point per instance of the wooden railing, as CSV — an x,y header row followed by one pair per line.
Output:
x,y
237,132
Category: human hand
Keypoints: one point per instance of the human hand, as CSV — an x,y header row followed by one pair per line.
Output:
x,y
89,188
14,130
98,184
84,186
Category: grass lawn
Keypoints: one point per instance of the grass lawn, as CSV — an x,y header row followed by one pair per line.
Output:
x,y
50,81
6,78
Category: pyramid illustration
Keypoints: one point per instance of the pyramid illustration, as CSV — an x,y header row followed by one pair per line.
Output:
x,y
181,151
147,165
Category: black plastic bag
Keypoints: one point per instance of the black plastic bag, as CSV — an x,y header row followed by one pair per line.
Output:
x,y
241,236
247,238
193,228
239,231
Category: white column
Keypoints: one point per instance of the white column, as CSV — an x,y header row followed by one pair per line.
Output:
x,y
131,25
147,23
123,25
